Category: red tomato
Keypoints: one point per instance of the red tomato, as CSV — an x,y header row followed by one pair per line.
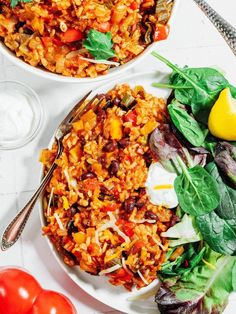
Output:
x,y
51,302
109,208
18,291
161,32
122,274
72,35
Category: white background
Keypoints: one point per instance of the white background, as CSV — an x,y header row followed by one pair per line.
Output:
x,y
193,41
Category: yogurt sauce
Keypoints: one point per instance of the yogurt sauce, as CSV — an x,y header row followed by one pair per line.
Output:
x,y
16,116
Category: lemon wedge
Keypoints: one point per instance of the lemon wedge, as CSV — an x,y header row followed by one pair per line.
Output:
x,y
222,118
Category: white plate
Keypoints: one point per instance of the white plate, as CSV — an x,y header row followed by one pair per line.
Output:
x,y
99,287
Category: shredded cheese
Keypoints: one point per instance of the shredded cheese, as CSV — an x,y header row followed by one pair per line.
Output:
x,y
71,182
141,221
143,279
101,61
158,243
111,224
60,224
109,270
49,203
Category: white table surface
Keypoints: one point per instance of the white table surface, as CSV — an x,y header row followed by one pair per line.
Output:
x,y
193,40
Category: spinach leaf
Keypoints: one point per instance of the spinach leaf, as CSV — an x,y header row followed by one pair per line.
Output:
x,y
197,87
227,205
204,290
232,91
218,228
197,191
234,277
186,124
99,45
14,3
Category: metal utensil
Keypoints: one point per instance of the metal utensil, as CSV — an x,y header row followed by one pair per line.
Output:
x,y
17,225
225,29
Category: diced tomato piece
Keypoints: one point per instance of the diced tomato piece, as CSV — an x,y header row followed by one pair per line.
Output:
x,y
137,246
46,40
109,208
72,35
104,27
161,32
122,274
134,5
128,228
131,117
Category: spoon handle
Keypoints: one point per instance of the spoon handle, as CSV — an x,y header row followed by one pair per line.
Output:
x,y
226,30
17,225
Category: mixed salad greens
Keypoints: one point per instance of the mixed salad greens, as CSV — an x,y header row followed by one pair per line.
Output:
x,y
200,268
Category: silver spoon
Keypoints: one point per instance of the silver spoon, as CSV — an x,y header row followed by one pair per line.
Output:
x,y
225,29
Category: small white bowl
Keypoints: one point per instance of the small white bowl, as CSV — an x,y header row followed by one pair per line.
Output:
x,y
58,77
14,88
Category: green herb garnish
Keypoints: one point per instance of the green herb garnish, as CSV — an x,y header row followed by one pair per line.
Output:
x,y
14,3
99,45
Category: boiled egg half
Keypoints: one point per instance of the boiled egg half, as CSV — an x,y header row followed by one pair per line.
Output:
x,y
160,186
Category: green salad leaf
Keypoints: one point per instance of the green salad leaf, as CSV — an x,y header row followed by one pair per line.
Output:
x,y
203,290
218,228
197,190
234,276
14,3
196,87
186,124
99,45
183,232
184,263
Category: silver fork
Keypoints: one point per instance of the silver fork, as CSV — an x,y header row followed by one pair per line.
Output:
x,y
17,225
225,29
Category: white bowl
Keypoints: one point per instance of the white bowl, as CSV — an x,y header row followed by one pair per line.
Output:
x,y
58,77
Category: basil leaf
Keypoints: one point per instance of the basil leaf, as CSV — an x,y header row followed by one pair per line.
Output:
x,y
14,3
204,290
197,191
186,124
99,45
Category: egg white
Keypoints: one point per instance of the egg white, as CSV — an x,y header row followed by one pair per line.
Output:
x,y
160,186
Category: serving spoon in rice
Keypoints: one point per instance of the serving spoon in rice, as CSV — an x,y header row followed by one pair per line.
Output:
x,y
17,225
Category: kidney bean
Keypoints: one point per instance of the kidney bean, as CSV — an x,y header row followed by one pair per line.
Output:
x,y
71,211
148,158
110,146
87,175
101,115
71,227
140,204
114,167
124,142
116,101
150,215
129,204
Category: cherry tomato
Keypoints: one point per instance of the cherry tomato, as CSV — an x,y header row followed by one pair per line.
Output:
x,y
72,35
51,302
18,291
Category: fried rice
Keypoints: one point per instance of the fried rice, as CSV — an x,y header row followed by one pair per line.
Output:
x,y
97,212
35,31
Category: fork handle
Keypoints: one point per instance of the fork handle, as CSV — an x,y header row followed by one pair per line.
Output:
x,y
227,30
17,225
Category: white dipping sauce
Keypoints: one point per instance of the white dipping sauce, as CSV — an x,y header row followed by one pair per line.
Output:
x,y
16,116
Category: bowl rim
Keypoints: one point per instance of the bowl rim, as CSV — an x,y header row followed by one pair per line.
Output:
x,y
38,116
116,72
